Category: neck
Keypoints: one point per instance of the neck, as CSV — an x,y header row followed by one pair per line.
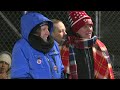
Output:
x,y
83,43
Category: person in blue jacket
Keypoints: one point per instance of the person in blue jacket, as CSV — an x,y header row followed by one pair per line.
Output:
x,y
36,55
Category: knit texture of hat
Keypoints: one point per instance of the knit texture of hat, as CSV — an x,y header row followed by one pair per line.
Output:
x,y
78,19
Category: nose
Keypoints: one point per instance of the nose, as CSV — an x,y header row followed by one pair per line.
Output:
x,y
90,28
3,64
65,33
48,31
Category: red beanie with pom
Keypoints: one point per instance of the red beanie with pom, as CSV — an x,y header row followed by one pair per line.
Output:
x,y
78,19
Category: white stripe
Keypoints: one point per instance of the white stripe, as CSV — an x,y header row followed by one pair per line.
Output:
x,y
78,20
72,62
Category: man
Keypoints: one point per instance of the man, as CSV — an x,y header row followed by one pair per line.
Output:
x,y
59,32
60,35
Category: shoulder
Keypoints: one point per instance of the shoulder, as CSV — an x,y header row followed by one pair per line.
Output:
x,y
56,44
20,42
101,45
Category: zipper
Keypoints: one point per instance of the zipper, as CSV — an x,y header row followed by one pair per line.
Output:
x,y
50,66
55,63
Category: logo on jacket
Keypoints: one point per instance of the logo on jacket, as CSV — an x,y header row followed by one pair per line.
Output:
x,y
39,61
55,68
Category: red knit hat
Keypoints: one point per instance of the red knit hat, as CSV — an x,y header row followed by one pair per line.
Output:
x,y
78,19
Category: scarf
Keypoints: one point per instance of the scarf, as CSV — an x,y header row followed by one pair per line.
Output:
x,y
102,63
39,44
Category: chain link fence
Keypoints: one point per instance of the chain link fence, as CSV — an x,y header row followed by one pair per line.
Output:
x,y
106,27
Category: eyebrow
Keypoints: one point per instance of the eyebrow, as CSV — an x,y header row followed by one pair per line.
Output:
x,y
3,62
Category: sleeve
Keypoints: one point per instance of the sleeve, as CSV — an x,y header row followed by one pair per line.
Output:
x,y
19,67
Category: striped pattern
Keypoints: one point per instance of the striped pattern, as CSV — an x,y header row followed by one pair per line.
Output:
x,y
102,64
103,67
65,59
76,16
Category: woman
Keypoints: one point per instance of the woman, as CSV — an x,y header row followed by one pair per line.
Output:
x,y
5,65
86,57
36,55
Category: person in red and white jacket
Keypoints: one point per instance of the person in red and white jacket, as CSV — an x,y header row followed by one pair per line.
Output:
x,y
84,56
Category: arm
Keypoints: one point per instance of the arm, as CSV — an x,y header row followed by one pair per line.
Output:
x,y
19,68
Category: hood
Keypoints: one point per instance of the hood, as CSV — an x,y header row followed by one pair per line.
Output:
x,y
32,19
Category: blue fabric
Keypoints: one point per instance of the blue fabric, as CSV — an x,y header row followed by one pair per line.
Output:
x,y
29,63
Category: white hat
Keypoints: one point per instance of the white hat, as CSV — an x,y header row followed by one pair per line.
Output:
x,y
6,57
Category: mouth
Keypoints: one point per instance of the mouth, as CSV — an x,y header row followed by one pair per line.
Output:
x,y
89,34
2,68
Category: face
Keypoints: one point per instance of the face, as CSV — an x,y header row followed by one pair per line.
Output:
x,y
59,32
86,31
3,67
43,32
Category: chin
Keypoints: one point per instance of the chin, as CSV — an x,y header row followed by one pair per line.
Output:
x,y
89,37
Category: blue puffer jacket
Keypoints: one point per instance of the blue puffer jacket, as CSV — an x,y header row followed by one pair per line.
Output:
x,y
28,63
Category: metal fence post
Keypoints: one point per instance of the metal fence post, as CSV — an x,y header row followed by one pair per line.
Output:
x,y
25,12
98,23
